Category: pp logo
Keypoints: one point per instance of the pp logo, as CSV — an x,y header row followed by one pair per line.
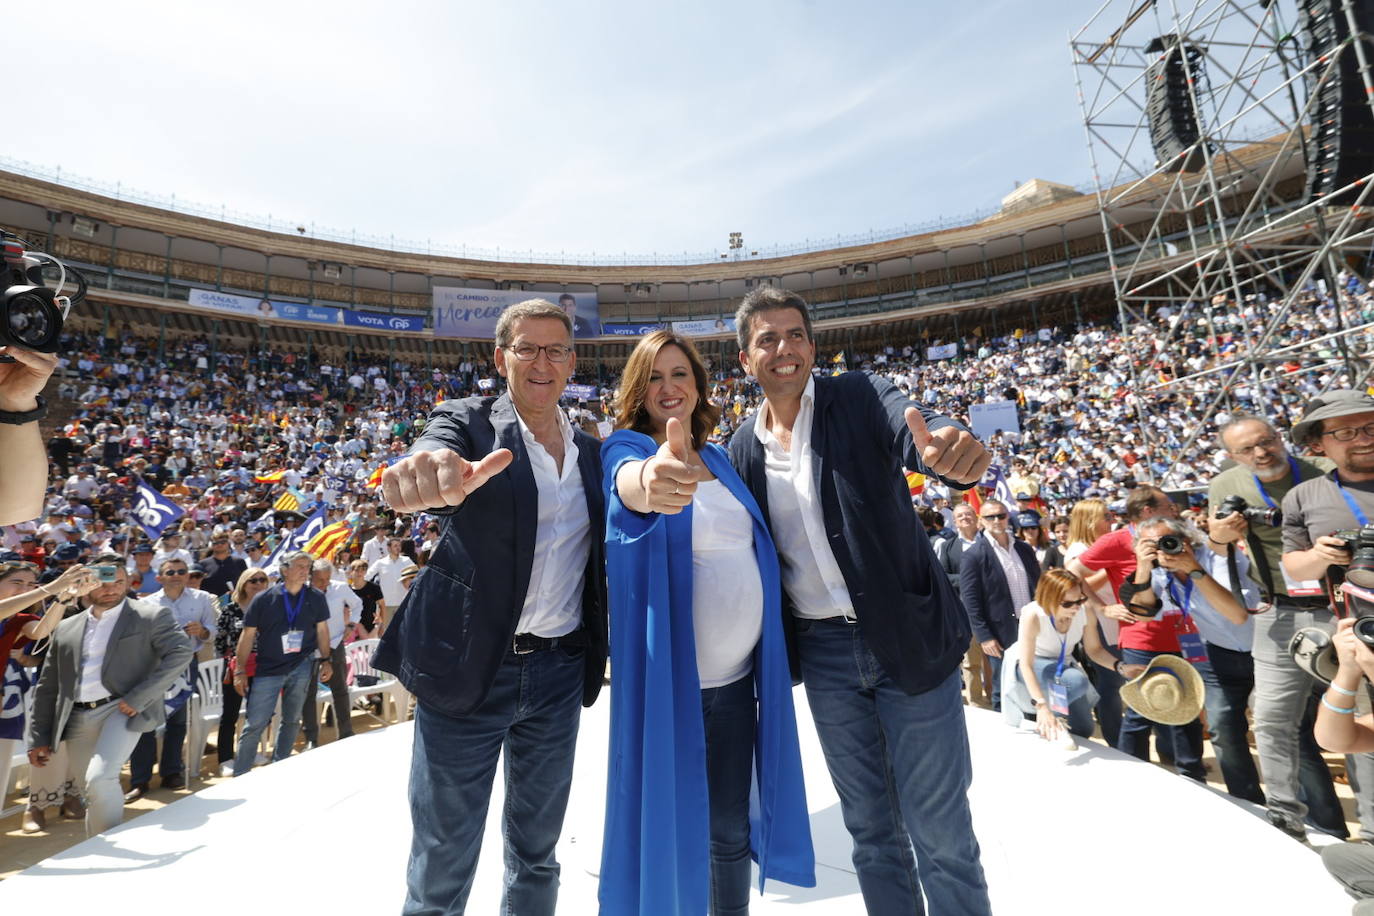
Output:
x,y
16,682
399,324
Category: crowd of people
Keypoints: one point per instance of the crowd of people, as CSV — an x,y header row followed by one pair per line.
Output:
x,y
1095,561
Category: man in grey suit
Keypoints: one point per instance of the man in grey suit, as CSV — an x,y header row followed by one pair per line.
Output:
x,y
102,687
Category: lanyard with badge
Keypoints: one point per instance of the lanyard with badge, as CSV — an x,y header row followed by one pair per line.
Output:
x,y
1189,640
1296,588
292,639
1059,693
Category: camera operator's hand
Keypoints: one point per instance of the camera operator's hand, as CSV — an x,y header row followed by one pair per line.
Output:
x,y
1351,651
22,380
73,583
1228,530
1146,552
1331,549
1182,562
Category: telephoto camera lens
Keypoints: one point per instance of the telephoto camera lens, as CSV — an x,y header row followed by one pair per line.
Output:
x,y
1364,629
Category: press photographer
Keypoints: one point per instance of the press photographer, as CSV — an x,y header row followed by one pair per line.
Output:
x,y
1339,426
1244,506
1184,590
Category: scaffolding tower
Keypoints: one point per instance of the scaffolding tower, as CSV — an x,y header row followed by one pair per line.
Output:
x,y
1232,146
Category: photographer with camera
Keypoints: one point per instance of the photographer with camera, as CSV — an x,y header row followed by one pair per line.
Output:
x,y
1183,591
1340,426
1243,502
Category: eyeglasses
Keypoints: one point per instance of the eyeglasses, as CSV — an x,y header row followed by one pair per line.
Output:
x,y
1263,445
557,353
258,580
1077,603
998,517
1348,433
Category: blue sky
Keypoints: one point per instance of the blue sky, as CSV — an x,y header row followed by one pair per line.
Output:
x,y
584,127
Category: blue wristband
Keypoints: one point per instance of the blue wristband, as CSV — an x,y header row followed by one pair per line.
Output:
x,y
1343,711
1342,691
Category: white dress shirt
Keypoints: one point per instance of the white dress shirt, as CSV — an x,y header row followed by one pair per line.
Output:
x,y
562,539
94,642
192,605
810,575
1017,581
387,572
339,596
374,550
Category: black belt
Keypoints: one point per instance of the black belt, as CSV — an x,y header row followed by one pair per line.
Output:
x,y
1304,602
847,621
94,704
525,643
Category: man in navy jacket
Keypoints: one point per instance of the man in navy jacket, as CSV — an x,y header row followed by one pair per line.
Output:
x,y
874,628
502,636
997,578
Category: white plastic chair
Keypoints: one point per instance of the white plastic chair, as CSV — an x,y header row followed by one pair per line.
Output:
x,y
359,656
204,712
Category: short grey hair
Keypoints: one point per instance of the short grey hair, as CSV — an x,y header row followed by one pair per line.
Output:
x,y
767,299
291,556
530,308
1186,531
322,565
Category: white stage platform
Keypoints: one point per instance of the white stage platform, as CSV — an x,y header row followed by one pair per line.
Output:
x,y
331,827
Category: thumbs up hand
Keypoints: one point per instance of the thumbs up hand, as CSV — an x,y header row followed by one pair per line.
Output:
x,y
670,477
950,452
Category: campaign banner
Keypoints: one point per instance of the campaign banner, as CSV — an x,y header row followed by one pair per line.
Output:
x,y
629,330
945,351
463,312
263,309
382,322
704,327
580,392
987,419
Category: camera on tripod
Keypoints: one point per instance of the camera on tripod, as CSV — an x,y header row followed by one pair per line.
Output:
x,y
1233,503
31,313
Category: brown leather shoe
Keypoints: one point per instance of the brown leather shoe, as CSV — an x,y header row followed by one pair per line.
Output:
x,y
35,820
73,808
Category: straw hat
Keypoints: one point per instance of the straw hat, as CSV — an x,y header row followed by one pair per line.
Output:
x,y
1169,691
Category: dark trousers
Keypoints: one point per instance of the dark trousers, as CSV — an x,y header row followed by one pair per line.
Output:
x,y
729,715
228,722
1186,740
1230,678
173,743
338,688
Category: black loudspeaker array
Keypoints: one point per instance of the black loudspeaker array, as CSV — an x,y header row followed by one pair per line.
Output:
x,y
1340,142
1169,109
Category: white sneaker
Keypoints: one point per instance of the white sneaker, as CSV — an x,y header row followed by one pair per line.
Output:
x,y
226,768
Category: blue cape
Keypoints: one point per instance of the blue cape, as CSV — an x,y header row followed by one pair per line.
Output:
x,y
655,854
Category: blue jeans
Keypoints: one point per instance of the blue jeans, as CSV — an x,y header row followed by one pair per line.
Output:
x,y
730,715
173,738
1076,683
532,712
1186,740
262,703
1230,677
901,767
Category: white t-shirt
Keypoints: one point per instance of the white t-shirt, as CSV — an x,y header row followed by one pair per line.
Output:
x,y
727,590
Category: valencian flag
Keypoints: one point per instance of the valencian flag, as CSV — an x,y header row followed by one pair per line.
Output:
x,y
330,538
153,511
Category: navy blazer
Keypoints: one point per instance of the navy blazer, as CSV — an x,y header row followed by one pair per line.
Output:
x,y
906,608
448,638
987,597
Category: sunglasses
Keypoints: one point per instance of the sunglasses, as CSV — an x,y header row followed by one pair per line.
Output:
x,y
996,518
174,572
258,580
1080,601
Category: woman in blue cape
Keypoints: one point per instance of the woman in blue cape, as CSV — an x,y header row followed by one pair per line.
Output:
x,y
705,769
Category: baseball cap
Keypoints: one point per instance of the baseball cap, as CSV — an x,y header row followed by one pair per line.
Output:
x,y
1028,518
143,547
67,552
1329,406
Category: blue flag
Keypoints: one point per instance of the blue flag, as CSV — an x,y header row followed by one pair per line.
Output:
x,y
153,511
12,689
178,692
299,538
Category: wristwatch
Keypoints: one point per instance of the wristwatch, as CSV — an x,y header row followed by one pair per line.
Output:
x,y
1196,574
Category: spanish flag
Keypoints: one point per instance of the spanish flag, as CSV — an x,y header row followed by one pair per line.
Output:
x,y
273,477
376,479
915,482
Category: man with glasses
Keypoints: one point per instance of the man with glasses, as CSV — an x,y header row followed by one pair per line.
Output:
x,y
196,614
1297,781
502,638
997,578
1339,426
102,687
